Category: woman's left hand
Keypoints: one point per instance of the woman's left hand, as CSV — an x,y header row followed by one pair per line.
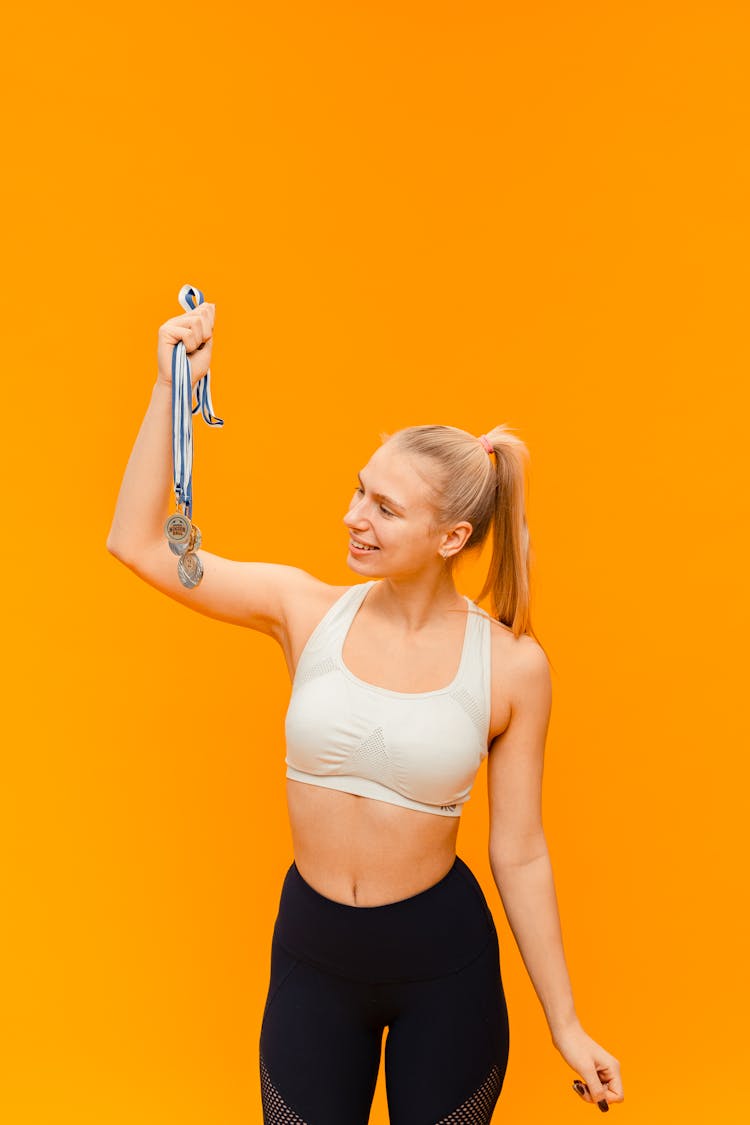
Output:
x,y
599,1070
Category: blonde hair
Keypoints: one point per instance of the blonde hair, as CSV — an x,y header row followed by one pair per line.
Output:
x,y
488,492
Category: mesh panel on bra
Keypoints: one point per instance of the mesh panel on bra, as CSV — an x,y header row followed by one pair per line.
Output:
x,y
370,759
477,1110
470,705
319,669
275,1109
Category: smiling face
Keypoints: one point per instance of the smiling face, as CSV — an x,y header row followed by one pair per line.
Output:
x,y
391,511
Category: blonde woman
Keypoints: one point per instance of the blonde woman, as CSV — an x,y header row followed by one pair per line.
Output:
x,y
401,687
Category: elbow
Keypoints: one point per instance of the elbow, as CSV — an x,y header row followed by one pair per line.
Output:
x,y
509,855
117,548
135,557
114,547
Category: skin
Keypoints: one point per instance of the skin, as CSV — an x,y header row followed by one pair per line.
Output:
x,y
406,636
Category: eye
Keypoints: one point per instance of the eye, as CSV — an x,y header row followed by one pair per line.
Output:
x,y
386,511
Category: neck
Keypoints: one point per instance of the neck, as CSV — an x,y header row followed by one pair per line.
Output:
x,y
416,601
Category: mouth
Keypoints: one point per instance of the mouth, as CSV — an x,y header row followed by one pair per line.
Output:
x,y
358,545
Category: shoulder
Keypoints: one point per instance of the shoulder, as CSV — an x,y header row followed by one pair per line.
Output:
x,y
521,677
308,600
521,661
308,594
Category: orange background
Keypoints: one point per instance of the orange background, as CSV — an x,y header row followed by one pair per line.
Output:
x,y
405,212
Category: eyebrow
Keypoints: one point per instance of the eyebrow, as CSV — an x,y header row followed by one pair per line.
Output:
x,y
382,496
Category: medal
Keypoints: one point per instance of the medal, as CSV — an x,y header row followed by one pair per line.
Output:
x,y
177,529
183,537
189,569
191,544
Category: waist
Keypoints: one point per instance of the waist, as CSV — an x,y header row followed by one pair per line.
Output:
x,y
437,931
366,852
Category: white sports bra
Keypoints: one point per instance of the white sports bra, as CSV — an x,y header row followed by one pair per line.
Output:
x,y
421,750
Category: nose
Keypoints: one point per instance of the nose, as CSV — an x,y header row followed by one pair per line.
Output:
x,y
354,517
352,522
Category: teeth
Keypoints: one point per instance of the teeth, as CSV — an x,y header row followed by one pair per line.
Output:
x,y
363,546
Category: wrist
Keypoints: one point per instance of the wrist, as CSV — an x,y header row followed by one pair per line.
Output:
x,y
564,1025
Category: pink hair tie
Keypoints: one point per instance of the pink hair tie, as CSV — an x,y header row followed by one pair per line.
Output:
x,y
486,443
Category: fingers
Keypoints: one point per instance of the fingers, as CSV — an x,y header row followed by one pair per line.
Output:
x,y
200,322
601,1089
206,326
190,334
194,329
597,1089
599,1081
610,1081
598,1095
208,312
203,320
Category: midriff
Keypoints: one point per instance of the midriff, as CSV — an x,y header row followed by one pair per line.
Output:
x,y
363,852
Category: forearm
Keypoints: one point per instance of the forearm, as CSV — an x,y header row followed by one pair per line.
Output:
x,y
528,895
143,500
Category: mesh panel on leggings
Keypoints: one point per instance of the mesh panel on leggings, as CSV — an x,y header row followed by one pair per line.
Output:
x,y
477,1110
275,1109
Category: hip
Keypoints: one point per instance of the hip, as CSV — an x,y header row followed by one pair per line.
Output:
x,y
434,932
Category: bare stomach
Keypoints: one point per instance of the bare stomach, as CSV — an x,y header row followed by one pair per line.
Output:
x,y
363,852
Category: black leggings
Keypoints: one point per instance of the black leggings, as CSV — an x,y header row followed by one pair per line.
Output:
x,y
426,967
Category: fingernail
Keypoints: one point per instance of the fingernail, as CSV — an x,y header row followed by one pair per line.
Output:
x,y
579,1088
603,1106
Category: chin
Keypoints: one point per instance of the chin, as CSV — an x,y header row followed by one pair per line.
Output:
x,y
361,566
355,563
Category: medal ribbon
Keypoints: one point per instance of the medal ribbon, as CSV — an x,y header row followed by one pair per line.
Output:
x,y
183,410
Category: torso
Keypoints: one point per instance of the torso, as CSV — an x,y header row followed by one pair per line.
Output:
x,y
360,851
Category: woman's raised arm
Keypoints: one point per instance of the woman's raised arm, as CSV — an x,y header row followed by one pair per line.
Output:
x,y
254,594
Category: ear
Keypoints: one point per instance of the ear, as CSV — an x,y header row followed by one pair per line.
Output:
x,y
455,539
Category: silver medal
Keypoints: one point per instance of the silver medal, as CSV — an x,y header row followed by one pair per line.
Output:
x,y
189,569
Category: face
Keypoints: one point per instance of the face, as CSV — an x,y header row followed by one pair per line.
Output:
x,y
391,512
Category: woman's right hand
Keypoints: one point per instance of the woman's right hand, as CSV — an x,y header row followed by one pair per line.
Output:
x,y
195,330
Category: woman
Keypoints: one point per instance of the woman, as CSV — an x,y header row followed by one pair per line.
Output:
x,y
400,688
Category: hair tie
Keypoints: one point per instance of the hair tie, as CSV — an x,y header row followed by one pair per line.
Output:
x,y
486,443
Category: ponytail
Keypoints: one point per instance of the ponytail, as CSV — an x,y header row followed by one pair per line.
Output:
x,y
509,576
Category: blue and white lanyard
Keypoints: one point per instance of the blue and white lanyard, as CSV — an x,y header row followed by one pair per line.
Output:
x,y
183,409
